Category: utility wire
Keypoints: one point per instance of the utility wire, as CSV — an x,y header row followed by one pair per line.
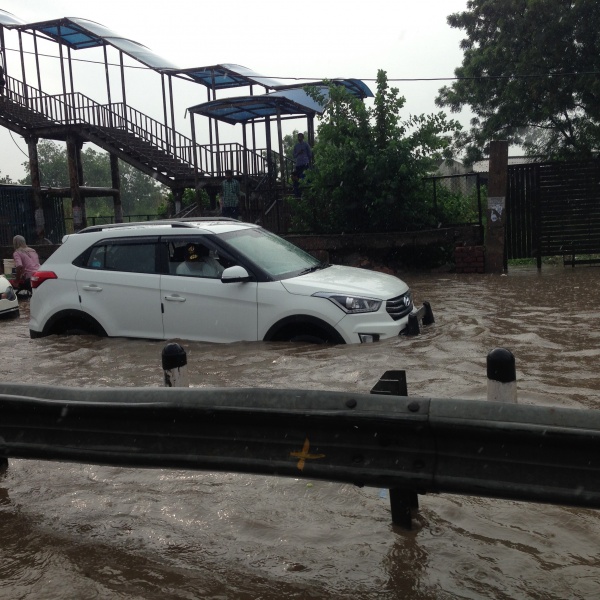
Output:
x,y
17,145
309,79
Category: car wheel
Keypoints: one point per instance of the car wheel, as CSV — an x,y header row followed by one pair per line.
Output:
x,y
308,339
74,323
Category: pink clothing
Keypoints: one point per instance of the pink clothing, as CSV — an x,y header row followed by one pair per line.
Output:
x,y
28,259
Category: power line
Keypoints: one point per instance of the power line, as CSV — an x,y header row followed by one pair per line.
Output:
x,y
309,79
17,145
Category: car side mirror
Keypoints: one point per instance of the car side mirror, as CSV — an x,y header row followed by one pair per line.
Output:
x,y
235,274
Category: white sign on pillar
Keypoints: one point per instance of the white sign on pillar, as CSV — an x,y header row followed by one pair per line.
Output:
x,y
496,206
77,216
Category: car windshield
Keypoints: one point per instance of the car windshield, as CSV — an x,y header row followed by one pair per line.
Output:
x,y
274,255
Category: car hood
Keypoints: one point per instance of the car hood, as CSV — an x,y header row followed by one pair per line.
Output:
x,y
346,280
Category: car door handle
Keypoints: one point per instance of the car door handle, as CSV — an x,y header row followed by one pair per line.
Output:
x,y
175,298
92,288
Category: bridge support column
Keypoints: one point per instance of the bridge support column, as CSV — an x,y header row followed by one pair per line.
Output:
x,y
213,192
75,175
116,184
34,170
178,200
495,261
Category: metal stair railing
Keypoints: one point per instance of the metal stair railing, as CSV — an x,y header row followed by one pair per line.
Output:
x,y
231,156
51,108
117,122
161,137
76,108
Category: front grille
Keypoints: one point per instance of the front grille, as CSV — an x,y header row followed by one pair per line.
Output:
x,y
397,308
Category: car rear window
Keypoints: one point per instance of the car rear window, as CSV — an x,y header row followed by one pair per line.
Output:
x,y
127,257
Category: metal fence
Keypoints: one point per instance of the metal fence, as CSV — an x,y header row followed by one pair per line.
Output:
x,y
17,215
456,199
553,209
108,219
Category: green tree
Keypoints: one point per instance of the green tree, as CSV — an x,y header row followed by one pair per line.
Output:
x,y
189,197
290,140
530,74
52,160
369,164
6,179
140,194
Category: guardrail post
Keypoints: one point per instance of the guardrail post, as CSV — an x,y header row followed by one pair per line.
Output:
x,y
391,383
174,363
402,501
502,376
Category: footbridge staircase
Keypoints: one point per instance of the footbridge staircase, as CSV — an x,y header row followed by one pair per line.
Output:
x,y
170,157
30,52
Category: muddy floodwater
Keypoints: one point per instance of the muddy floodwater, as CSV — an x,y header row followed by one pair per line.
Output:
x,y
71,531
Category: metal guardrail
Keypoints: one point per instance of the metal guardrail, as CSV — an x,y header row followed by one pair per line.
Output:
x,y
418,445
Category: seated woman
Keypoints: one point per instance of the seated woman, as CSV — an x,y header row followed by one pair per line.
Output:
x,y
199,263
27,263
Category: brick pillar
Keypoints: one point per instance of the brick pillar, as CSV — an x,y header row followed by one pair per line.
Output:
x,y
496,209
469,259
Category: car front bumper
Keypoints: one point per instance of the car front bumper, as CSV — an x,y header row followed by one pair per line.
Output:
x,y
418,318
378,326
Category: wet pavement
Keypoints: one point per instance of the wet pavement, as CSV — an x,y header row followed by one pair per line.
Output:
x,y
88,531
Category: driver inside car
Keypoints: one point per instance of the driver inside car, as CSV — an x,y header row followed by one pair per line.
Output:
x,y
199,263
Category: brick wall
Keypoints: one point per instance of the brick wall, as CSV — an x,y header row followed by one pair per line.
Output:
x,y
469,259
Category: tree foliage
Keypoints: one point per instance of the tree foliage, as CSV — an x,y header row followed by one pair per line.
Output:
x,y
530,73
6,179
369,164
189,197
140,194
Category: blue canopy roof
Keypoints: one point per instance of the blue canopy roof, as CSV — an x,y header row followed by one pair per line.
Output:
x,y
8,19
224,76
356,87
241,109
79,33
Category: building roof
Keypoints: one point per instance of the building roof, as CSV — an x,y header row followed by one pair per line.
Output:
x,y
483,166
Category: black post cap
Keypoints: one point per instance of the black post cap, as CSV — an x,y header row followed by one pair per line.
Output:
x,y
173,357
501,365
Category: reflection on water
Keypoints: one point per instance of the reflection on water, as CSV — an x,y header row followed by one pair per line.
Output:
x,y
87,531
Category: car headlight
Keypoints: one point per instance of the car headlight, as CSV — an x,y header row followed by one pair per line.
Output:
x,y
352,304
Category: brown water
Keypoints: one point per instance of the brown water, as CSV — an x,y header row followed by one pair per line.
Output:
x,y
85,531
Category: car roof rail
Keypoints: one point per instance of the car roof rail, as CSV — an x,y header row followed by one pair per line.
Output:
x,y
182,222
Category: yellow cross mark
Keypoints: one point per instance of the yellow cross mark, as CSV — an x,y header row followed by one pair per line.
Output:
x,y
303,455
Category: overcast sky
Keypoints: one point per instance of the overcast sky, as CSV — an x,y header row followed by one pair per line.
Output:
x,y
305,40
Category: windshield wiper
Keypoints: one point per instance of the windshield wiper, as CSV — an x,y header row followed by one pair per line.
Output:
x,y
315,268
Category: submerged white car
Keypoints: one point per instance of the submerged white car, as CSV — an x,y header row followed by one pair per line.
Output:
x,y
214,280
9,304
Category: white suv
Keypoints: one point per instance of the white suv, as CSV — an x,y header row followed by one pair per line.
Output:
x,y
214,280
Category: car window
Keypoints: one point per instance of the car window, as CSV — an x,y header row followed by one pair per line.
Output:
x,y
278,257
191,257
127,257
